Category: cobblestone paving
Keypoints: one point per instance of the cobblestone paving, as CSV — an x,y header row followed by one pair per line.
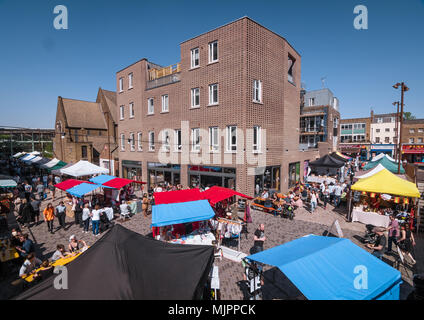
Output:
x,y
277,231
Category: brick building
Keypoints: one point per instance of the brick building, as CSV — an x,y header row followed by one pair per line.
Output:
x,y
319,119
86,130
232,100
413,140
355,137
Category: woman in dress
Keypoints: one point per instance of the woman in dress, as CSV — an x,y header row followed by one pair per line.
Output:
x,y
407,242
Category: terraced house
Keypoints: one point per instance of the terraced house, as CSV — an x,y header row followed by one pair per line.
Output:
x,y
233,99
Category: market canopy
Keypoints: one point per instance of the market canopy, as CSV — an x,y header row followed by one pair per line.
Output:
x,y
216,194
42,161
386,182
7,182
58,166
175,213
82,189
68,184
339,156
324,268
112,181
83,168
17,154
27,157
385,162
178,196
125,265
50,164
381,156
369,173
327,161
56,171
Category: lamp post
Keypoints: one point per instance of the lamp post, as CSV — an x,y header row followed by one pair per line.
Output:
x,y
396,103
403,89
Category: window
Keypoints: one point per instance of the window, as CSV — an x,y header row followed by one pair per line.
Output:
x,y
195,139
150,106
130,81
83,151
392,119
379,120
411,130
377,140
213,51
165,103
291,62
151,141
88,132
122,142
121,84
195,97
231,138
132,110
213,139
140,141
194,58
132,141
177,140
257,91
387,130
386,140
420,140
256,139
213,94
311,102
420,130
121,112
377,130
411,140
165,140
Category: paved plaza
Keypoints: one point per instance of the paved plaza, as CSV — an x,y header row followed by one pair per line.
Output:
x,y
277,231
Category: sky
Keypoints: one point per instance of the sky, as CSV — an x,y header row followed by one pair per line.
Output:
x,y
39,63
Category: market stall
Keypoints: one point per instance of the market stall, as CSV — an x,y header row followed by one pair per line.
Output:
x,y
83,168
326,165
339,156
178,196
380,195
318,266
50,164
385,162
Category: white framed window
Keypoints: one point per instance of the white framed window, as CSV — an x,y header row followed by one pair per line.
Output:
x,y
411,140
256,139
379,120
231,138
165,140
257,90
387,130
151,141
411,130
213,94
131,109
195,97
122,142
420,130
420,140
150,106
194,58
130,81
213,51
387,140
177,140
311,102
377,140
195,139
139,141
121,112
132,141
121,84
377,130
214,139
165,103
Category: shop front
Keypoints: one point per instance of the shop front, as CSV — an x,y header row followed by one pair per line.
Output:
x,y
160,173
354,150
413,152
388,149
207,176
294,174
131,169
267,177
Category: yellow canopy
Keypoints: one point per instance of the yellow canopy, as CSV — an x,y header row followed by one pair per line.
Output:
x,y
386,182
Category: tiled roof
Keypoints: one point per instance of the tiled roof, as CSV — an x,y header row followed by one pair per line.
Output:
x,y
83,114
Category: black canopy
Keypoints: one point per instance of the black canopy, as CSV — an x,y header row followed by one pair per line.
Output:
x,y
126,265
327,161
337,157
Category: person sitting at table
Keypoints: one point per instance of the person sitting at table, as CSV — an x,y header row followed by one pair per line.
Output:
x,y
379,246
27,246
45,271
59,253
74,244
265,194
15,239
30,264
125,210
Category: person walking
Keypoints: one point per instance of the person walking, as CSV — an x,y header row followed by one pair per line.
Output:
x,y
86,217
40,190
337,194
326,196
78,212
35,206
314,202
25,213
48,214
259,238
28,191
407,242
61,215
52,189
95,219
393,229
145,205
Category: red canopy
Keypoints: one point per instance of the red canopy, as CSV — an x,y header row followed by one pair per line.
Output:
x,y
118,183
178,196
68,184
216,194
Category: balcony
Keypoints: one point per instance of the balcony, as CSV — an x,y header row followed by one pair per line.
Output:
x,y
163,76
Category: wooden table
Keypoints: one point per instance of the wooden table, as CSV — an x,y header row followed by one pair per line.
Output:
x,y
7,252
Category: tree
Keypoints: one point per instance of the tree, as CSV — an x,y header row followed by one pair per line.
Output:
x,y
408,116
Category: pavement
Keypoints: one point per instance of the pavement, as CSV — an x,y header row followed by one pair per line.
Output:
x,y
277,231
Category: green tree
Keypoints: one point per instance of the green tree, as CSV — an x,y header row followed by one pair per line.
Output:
x,y
408,116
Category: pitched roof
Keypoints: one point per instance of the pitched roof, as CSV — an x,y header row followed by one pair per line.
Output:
x,y
83,114
110,98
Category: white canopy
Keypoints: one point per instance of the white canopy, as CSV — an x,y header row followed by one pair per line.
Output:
x,y
50,164
83,168
27,157
18,154
382,155
35,159
371,172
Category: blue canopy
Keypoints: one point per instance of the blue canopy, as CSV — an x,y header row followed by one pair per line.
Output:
x,y
82,189
174,213
323,268
102,179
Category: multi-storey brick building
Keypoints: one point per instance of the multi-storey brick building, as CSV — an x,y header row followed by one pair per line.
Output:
x,y
86,130
234,98
319,119
355,137
413,140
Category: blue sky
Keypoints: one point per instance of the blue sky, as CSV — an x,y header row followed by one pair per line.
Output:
x,y
39,63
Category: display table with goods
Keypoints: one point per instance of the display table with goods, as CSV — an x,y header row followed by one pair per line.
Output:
x,y
373,218
320,179
198,237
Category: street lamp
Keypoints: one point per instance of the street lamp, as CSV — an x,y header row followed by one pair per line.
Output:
x,y
403,89
396,103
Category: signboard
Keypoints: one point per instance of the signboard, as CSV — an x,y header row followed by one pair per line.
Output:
x,y
338,228
413,148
